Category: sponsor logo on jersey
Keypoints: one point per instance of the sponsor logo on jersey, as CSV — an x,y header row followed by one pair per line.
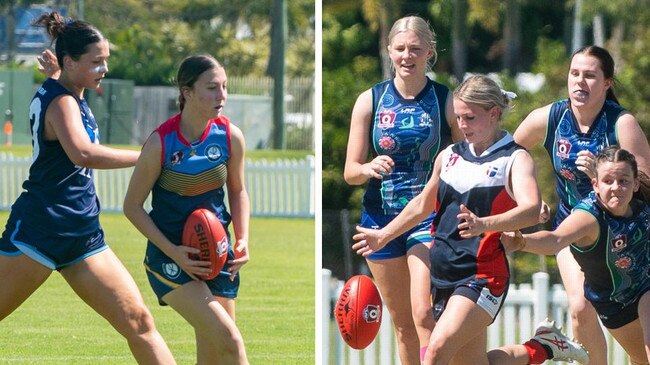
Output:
x,y
407,111
583,143
407,123
176,158
386,119
171,270
624,262
213,152
492,171
371,313
387,143
619,242
563,148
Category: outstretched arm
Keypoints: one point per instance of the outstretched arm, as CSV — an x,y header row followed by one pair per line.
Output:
x,y
579,227
371,240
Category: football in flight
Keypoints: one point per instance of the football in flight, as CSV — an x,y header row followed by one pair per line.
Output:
x,y
358,312
204,231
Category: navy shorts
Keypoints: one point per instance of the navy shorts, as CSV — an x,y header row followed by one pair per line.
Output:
x,y
51,251
616,315
487,294
165,275
398,247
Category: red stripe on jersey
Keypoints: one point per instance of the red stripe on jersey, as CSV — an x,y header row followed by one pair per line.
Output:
x,y
491,262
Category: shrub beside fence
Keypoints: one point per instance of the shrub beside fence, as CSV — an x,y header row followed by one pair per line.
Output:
x,y
277,188
526,305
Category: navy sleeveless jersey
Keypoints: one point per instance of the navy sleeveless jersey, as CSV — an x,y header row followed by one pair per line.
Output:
x,y
59,197
617,265
192,176
411,132
563,142
481,184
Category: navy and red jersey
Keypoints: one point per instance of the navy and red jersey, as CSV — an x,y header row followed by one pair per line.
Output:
x,y
563,142
59,197
481,184
192,176
617,265
412,132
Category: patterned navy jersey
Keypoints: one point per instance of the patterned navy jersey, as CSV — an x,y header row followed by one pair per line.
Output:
x,y
192,176
563,142
59,196
481,184
617,265
411,132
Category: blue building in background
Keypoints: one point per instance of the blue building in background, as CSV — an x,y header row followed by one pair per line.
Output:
x,y
28,40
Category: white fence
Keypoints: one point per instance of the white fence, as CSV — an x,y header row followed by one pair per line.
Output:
x,y
277,188
525,306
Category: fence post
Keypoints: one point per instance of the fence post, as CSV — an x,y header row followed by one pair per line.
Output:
x,y
540,287
325,315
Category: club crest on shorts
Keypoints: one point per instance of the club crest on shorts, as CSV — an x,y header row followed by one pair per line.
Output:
x,y
171,270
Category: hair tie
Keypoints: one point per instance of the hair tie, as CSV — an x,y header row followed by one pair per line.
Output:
x,y
68,21
509,94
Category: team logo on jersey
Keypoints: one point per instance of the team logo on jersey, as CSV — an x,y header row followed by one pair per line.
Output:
x,y
213,152
171,270
567,174
619,242
492,171
624,262
563,148
386,119
425,120
387,143
452,160
176,158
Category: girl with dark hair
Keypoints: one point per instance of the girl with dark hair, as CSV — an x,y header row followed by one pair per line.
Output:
x,y
54,223
572,131
185,164
608,233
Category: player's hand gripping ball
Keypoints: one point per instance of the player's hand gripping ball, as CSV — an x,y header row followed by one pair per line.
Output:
x,y
204,231
358,312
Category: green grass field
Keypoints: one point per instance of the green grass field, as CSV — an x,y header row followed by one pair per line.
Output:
x,y
275,308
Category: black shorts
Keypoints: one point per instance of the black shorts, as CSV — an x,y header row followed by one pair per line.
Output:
x,y
616,315
477,290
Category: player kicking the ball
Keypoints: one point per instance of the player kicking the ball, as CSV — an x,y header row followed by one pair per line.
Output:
x,y
475,199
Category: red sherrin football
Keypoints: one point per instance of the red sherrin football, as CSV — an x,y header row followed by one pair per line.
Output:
x,y
358,312
204,231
